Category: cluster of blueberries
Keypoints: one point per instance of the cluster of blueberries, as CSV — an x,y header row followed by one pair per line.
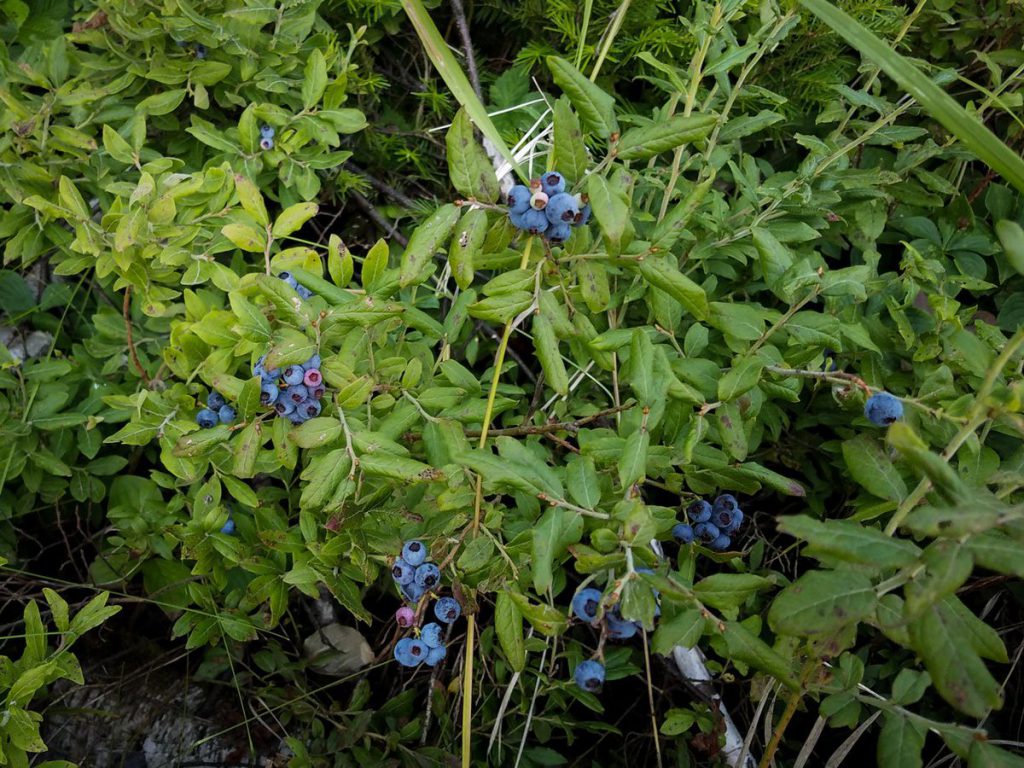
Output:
x,y
413,573
217,411
293,392
267,143
429,647
711,524
415,576
545,208
883,409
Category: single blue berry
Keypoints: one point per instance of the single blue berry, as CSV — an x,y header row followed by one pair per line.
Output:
x,y
883,409
303,292
727,521
727,502
562,208
293,375
435,656
214,401
266,145
289,278
589,675
283,407
583,216
226,414
309,408
535,222
618,627
297,393
683,532
228,527
414,552
706,532
558,233
267,131
403,652
418,650
428,575
312,363
431,635
261,370
412,592
517,219
699,511
402,572
447,609
200,51
553,183
518,199
721,543
585,604
268,393
206,418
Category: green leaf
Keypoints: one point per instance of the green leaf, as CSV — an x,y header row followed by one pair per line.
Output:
x,y
427,239
469,167
582,481
741,377
508,625
948,564
872,468
251,199
397,468
314,80
661,274
744,646
822,602
161,103
998,552
448,67
850,541
728,590
900,742
685,629
941,106
568,152
557,529
293,217
247,446
611,213
546,345
469,238
596,108
984,754
316,433
544,618
633,461
1011,237
647,141
117,147
245,237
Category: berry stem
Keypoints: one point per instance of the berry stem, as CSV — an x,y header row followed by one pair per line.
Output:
x,y
127,310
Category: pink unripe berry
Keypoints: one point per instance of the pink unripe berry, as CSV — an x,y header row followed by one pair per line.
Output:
x,y
405,616
312,378
538,200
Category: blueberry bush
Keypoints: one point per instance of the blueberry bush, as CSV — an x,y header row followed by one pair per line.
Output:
x,y
631,383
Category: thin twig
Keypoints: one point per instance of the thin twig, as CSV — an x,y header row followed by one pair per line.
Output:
x,y
379,218
127,309
554,426
836,377
467,46
399,197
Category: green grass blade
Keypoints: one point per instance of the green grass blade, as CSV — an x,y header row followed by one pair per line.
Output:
x,y
940,105
455,78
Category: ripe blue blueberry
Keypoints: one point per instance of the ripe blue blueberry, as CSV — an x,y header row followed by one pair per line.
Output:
x,y
261,370
303,292
412,592
431,635
562,208
583,216
428,575
414,552
289,278
228,527
293,375
283,407
552,183
585,604
699,511
226,414
267,131
558,233
535,222
589,675
268,393
214,401
883,409
200,51
435,656
706,532
721,543
402,572
518,199
447,609
418,650
404,654
683,532
727,502
309,408
266,144
206,418
517,219
313,362
727,521
618,627
297,393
